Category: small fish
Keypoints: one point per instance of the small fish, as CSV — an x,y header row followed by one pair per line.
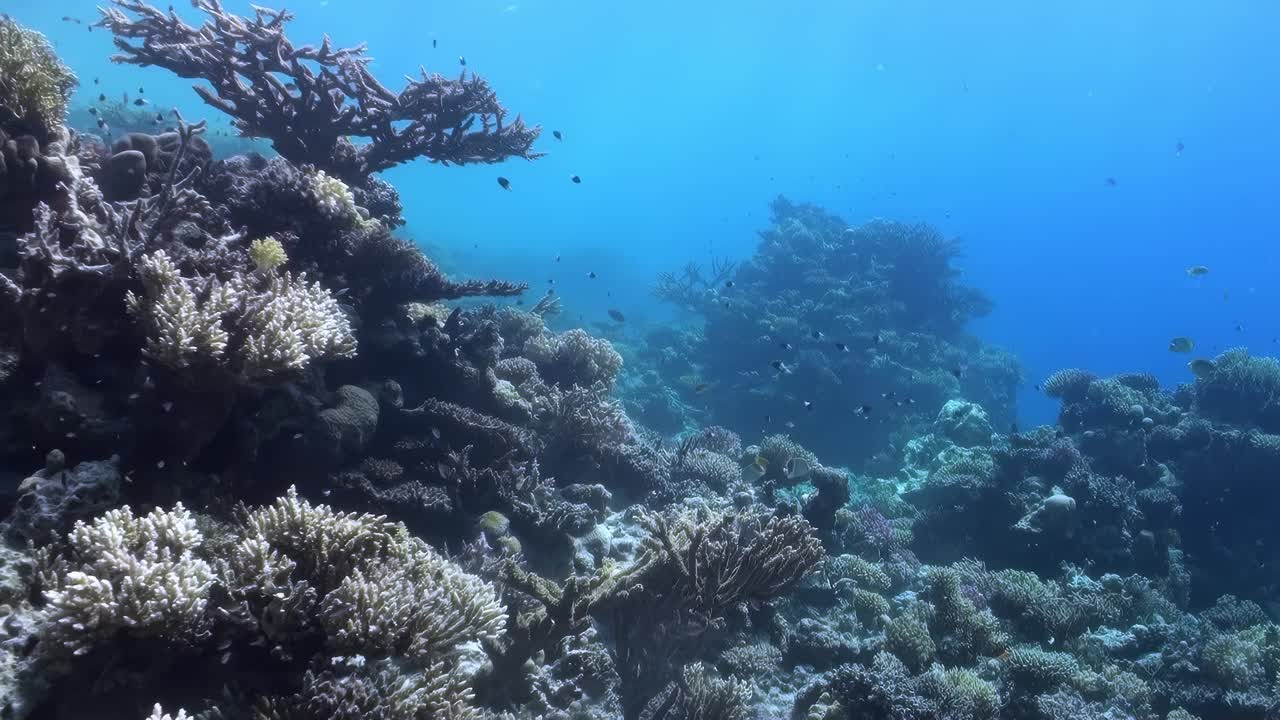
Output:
x,y
789,425
700,388
557,258
68,18
1239,327
617,315
140,102
842,347
505,183
911,401
93,111
817,334
159,118
785,345
462,60
1111,182
957,372
102,97
781,367
434,43
556,134
1197,271
889,395
862,410
875,339
551,291
141,91
1178,149
728,284
102,123
576,180
95,81
808,405
1037,387
1181,345
1201,367
592,275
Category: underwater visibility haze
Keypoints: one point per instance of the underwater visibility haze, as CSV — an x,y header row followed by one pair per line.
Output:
x,y
664,361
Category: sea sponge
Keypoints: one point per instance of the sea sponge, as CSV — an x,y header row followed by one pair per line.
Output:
x,y
35,86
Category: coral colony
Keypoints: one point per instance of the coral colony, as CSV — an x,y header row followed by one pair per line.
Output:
x,y
259,465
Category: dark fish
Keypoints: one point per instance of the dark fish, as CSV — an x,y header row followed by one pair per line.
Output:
x,y
557,258
1179,148
520,301
551,291
1111,182
68,18
889,395
862,410
556,134
102,123
505,183
591,275
778,365
141,91
95,81
434,43
159,117
1239,327
462,60
700,388
1038,388
817,334
875,339
728,284
957,372
842,347
102,97
93,111
577,180
808,405
617,315
785,345
139,102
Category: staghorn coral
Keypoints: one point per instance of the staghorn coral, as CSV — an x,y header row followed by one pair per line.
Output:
x,y
292,575
256,325
699,695
35,85
127,574
329,97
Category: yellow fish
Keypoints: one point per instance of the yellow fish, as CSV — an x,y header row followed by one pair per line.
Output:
x,y
1181,345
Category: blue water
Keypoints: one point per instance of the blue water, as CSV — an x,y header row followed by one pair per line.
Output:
x,y
998,121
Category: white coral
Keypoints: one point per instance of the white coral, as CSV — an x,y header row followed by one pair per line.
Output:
x,y
136,574
276,324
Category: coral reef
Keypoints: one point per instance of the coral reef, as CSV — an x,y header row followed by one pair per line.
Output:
x,y
290,470
864,324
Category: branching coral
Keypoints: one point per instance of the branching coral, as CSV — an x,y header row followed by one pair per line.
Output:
x,y
257,324
291,574
34,84
311,100
135,575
